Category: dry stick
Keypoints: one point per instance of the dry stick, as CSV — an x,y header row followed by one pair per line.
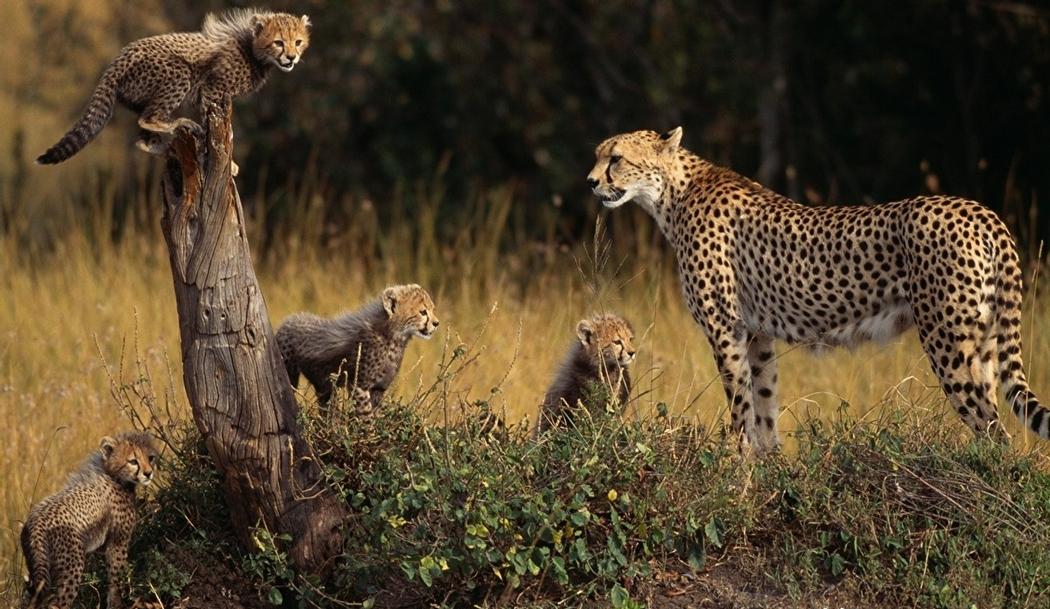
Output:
x,y
235,380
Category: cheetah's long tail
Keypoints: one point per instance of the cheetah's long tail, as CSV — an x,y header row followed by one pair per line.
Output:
x,y
97,114
1025,405
38,561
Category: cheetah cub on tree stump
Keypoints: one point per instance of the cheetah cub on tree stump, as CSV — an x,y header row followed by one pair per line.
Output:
x,y
362,350
232,55
94,511
596,365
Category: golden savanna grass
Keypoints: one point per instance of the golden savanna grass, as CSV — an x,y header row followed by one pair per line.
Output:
x,y
91,299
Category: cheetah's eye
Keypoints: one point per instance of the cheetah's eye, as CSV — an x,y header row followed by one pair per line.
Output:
x,y
298,43
423,312
614,159
618,342
134,462
279,44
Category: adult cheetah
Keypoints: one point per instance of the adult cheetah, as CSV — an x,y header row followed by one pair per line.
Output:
x,y
756,266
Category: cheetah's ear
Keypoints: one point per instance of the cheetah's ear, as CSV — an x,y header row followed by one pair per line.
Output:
x,y
585,331
306,21
390,301
106,446
670,141
257,22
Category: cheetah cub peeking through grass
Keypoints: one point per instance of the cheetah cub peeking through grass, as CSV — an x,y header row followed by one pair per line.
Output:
x,y
361,351
232,55
94,511
595,368
756,266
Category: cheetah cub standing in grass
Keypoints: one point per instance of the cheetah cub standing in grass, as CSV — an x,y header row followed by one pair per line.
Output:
x,y
94,511
598,360
232,55
363,348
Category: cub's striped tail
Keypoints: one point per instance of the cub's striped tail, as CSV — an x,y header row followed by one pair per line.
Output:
x,y
38,561
1022,401
98,113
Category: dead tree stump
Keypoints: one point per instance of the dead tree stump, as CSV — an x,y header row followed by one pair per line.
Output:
x,y
236,382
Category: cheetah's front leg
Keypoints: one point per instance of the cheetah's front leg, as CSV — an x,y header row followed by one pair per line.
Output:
x,y
117,572
729,343
363,400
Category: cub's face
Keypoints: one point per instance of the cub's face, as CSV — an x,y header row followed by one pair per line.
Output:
x,y
410,309
607,339
129,458
281,38
633,167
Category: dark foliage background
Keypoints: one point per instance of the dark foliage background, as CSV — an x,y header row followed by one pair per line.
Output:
x,y
843,101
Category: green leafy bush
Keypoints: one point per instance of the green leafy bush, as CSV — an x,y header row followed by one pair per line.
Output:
x,y
892,513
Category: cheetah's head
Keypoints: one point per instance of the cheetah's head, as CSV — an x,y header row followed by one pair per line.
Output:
x,y
129,458
280,38
411,310
634,167
608,339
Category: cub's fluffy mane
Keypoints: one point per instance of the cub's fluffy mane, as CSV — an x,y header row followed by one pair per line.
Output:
x,y
235,24
89,471
330,336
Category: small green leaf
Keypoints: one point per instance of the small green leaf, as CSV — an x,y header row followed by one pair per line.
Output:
x,y
836,565
712,533
276,598
558,564
619,597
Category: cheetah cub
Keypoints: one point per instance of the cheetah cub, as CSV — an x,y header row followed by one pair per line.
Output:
x,y
232,55
599,359
363,348
94,511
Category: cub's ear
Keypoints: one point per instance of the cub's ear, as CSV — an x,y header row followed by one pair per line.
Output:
x,y
306,21
257,22
670,141
585,332
390,300
106,446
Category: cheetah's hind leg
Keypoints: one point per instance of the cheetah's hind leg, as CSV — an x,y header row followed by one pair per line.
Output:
x,y
152,143
761,356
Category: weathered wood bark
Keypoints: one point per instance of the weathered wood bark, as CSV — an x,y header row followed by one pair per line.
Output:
x,y
236,383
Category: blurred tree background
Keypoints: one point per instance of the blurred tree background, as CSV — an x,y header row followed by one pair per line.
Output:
x,y
829,102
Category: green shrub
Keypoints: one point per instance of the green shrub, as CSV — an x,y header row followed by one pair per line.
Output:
x,y
453,516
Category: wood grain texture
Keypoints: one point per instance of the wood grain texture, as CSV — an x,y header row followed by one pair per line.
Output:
x,y
237,386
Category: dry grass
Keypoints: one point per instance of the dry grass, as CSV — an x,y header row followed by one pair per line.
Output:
x,y
86,299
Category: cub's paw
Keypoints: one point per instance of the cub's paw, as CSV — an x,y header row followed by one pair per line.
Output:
x,y
190,125
234,168
152,145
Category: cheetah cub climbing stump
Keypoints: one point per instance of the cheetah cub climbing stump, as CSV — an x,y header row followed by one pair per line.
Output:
x,y
756,266
231,56
596,364
94,511
361,351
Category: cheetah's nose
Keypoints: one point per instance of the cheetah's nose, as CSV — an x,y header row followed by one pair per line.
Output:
x,y
592,182
436,323
631,353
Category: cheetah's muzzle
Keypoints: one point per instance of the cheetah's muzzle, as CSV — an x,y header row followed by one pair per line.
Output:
x,y
614,194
